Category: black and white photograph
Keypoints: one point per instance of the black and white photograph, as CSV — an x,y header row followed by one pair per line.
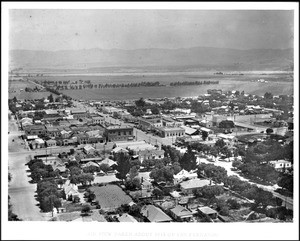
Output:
x,y
178,120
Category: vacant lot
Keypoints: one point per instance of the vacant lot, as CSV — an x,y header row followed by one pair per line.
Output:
x,y
110,196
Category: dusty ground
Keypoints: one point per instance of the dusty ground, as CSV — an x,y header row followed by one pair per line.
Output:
x,y
21,191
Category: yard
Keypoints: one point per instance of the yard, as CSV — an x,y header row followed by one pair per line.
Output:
x,y
110,196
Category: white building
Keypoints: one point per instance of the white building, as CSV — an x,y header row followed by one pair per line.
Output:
x,y
279,165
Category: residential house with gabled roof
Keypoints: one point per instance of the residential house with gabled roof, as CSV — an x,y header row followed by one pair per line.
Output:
x,y
181,213
71,190
155,214
108,162
88,149
89,164
182,175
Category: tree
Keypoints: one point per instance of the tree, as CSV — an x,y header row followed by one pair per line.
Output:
x,y
86,209
227,124
50,98
49,202
268,95
233,204
140,103
155,110
163,174
85,178
189,160
286,181
220,143
176,167
123,167
15,99
237,164
104,167
210,191
75,170
269,131
133,172
204,135
157,192
135,162
216,173
148,163
91,169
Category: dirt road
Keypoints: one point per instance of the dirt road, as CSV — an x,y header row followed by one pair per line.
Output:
x,y
21,191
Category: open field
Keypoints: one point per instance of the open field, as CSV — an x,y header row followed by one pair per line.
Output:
x,y
30,95
17,89
276,88
278,83
110,196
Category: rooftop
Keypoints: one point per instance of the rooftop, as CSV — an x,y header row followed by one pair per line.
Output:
x,y
195,183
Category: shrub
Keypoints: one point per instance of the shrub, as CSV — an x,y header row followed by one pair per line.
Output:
x,y
233,204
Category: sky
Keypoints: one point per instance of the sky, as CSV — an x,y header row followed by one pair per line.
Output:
x,y
63,29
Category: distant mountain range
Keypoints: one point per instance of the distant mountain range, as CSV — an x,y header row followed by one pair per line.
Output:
x,y
199,57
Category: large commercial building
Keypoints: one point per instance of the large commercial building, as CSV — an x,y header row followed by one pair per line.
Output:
x,y
171,131
118,133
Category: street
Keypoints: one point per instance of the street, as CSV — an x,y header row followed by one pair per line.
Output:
x,y
21,191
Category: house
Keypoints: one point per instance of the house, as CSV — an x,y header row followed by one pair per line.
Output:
x,y
50,143
61,168
53,131
51,160
154,214
94,159
150,154
78,113
65,134
208,131
38,143
182,175
189,186
82,138
206,123
126,218
181,213
71,190
207,211
280,165
30,138
108,162
26,122
118,150
90,164
35,130
88,149
190,131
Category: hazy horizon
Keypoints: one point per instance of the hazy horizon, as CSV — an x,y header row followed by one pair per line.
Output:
x,y
66,29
